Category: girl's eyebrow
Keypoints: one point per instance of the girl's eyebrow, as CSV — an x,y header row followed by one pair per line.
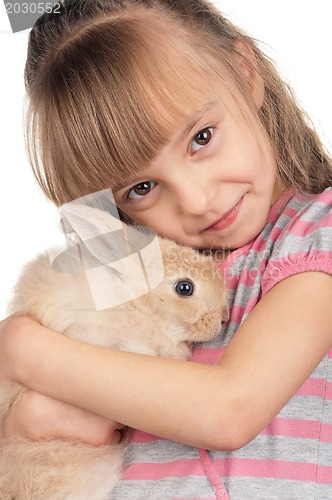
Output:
x,y
184,132
194,118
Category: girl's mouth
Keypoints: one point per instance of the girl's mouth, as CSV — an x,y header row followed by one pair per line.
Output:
x,y
227,219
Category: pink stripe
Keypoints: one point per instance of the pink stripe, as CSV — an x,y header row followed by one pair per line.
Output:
x,y
306,429
280,204
324,475
326,434
157,471
212,475
325,197
293,428
317,258
237,312
231,281
139,437
303,227
290,212
314,387
275,234
208,355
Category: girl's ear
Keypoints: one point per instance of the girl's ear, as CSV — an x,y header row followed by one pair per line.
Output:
x,y
248,66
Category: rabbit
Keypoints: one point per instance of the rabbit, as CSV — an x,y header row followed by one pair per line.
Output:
x,y
187,306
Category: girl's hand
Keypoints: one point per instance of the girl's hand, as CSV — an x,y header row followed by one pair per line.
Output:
x,y
8,328
36,417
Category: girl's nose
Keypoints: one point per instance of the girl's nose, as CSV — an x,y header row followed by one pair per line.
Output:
x,y
194,197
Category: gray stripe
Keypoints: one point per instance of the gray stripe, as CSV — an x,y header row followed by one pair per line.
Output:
x,y
275,489
159,451
296,244
266,447
303,408
325,455
165,489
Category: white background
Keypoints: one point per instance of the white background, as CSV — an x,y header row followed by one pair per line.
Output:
x,y
296,33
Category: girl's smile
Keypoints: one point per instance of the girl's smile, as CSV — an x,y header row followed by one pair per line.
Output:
x,y
227,219
210,187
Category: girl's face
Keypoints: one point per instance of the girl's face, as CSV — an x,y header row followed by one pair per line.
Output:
x,y
211,187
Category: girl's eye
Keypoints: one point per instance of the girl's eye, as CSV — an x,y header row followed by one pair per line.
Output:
x,y
140,190
201,139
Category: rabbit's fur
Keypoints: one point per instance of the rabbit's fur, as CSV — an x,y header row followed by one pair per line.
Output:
x,y
157,323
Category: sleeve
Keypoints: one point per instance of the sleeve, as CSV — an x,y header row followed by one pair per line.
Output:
x,y
304,245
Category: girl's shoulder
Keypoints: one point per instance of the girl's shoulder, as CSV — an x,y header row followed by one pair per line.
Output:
x,y
296,238
294,206
293,220
300,237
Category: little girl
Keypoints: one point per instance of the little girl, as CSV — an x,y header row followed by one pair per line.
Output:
x,y
182,115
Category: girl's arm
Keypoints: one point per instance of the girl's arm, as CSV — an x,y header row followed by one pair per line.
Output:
x,y
35,416
216,407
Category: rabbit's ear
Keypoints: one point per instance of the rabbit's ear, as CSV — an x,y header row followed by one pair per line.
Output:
x,y
88,221
82,220
93,222
121,262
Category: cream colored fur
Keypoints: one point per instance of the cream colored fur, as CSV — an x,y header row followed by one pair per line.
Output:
x,y
158,323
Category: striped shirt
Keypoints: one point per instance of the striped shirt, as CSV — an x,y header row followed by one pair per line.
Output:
x,y
292,458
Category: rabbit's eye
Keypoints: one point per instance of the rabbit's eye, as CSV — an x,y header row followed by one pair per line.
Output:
x,y
184,288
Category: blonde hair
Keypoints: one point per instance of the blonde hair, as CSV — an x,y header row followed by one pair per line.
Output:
x,y
109,81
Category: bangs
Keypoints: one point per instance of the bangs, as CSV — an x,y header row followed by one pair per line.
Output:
x,y
117,90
